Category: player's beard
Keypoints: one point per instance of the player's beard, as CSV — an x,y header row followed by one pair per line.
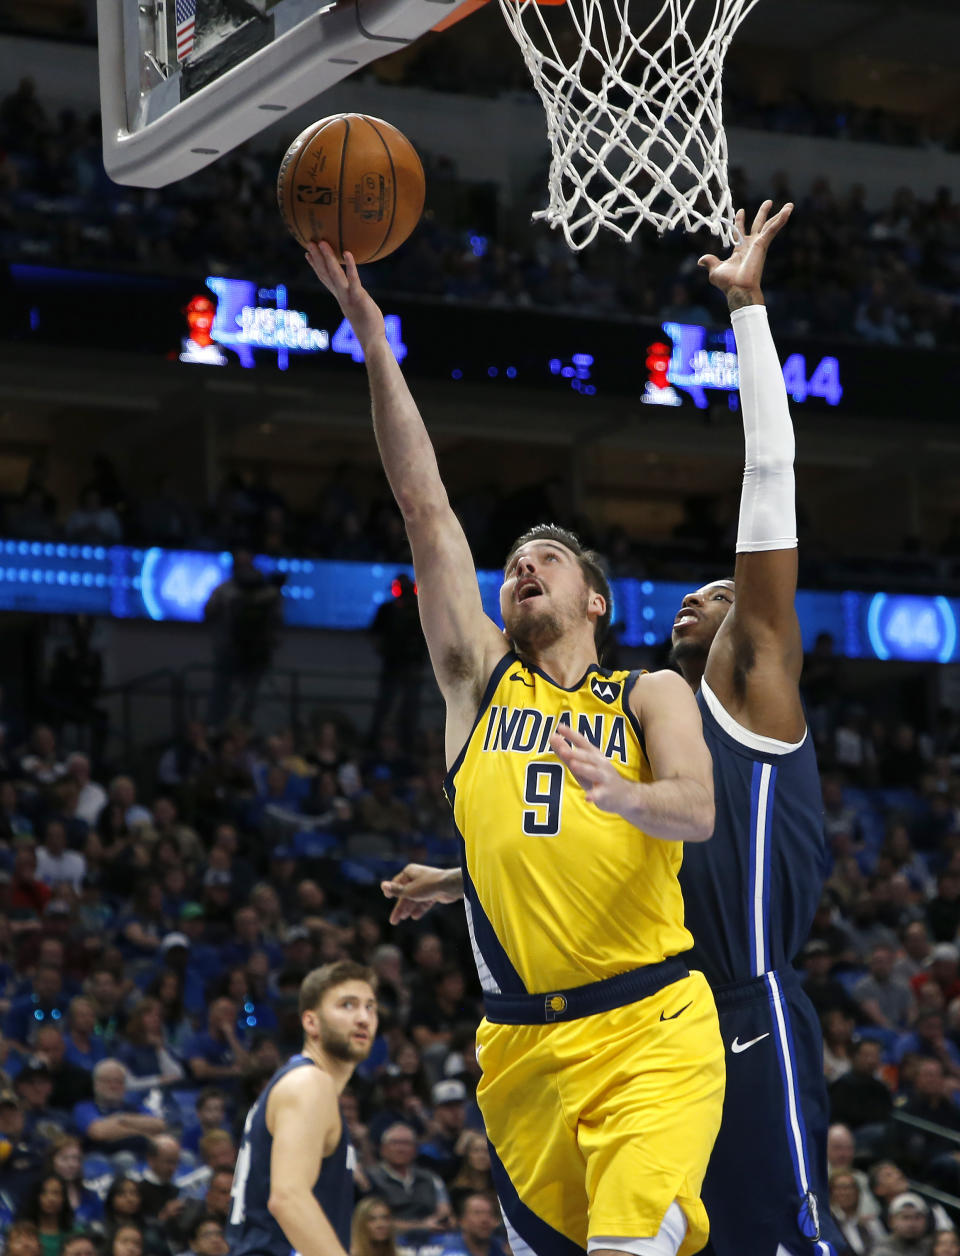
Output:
x,y
340,1046
533,633
689,655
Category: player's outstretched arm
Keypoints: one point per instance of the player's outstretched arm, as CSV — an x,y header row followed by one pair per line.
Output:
x,y
754,666
303,1118
464,644
678,805
417,888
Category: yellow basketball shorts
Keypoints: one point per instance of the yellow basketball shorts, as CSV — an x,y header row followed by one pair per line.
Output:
x,y
598,1124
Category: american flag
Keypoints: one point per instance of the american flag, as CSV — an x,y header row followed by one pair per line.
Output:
x,y
186,27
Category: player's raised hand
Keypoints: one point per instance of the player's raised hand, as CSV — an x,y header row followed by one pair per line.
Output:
x,y
742,271
417,888
343,282
598,777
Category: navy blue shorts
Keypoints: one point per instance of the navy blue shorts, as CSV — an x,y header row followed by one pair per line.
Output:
x,y
766,1186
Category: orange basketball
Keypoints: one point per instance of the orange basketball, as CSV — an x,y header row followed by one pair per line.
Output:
x,y
353,181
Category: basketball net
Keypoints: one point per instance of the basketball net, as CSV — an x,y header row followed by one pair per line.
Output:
x,y
634,113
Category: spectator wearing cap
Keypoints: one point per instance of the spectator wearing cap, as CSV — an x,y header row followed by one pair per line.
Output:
x,y
299,952
211,1110
21,1154
58,867
84,1047
71,1084
416,1197
44,1002
441,1150
859,1098
159,1195
885,1000
887,1181
214,1206
91,797
176,956
144,1051
398,1104
204,958
114,1122
942,969
910,1227
34,1086
477,1220
218,895
216,1054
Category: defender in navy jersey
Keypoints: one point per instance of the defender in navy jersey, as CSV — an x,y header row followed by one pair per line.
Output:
x,y
293,1184
750,893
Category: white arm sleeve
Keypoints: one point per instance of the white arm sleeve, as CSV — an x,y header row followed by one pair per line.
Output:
x,y
768,512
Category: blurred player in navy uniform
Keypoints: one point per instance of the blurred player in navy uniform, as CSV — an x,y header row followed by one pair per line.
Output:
x,y
751,892
293,1184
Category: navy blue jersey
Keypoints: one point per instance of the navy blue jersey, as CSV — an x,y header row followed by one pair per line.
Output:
x,y
751,891
252,1230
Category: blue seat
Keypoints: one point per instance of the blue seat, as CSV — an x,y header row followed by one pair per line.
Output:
x,y
314,844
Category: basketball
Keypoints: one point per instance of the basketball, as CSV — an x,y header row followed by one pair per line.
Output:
x,y
353,181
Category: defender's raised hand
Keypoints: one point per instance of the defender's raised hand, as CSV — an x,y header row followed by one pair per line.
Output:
x,y
366,317
739,275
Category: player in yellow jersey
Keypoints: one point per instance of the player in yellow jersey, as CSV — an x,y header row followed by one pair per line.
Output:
x,y
573,789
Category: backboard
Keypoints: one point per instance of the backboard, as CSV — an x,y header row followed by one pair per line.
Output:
x,y
183,81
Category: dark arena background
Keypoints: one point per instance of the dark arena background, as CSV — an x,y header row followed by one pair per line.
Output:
x,y
218,726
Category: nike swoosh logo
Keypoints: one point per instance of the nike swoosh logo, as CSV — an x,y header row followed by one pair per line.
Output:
x,y
676,1014
523,681
737,1046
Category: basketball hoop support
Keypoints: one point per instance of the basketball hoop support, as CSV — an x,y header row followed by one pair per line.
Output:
x,y
156,131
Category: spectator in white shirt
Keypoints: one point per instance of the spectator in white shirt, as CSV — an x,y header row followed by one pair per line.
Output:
x,y
57,866
93,797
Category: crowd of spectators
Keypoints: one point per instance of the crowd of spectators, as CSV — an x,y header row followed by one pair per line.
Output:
x,y
885,276
154,931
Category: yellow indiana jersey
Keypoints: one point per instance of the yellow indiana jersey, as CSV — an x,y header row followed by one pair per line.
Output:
x,y
558,893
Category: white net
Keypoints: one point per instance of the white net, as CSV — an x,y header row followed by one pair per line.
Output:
x,y
633,94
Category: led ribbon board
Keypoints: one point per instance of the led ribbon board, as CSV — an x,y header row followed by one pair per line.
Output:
x,y
161,584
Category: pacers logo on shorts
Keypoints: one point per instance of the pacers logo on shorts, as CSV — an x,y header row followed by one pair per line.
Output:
x,y
554,1006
